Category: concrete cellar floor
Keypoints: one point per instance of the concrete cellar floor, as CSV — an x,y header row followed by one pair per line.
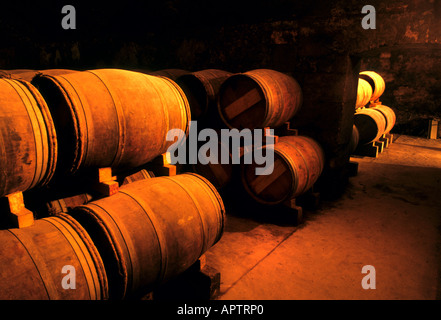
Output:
x,y
389,217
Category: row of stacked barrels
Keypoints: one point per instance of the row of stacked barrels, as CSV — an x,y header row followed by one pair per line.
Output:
x,y
62,123
372,119
256,99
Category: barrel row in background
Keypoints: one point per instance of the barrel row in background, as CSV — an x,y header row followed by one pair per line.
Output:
x,y
217,99
256,99
373,121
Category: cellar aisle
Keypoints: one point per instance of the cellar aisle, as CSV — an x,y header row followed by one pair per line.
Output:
x,y
389,218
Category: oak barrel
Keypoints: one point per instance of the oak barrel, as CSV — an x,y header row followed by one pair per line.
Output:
x,y
219,173
111,117
153,229
298,163
28,151
376,81
388,114
364,93
202,88
370,125
258,98
32,261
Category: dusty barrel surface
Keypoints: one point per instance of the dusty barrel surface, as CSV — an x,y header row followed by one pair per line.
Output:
x,y
370,125
111,117
153,229
376,82
259,98
28,75
201,89
32,261
23,74
389,116
28,151
364,93
298,163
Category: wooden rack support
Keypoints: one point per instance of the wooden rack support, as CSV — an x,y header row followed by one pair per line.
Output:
x,y
160,166
286,130
380,145
295,210
19,215
104,182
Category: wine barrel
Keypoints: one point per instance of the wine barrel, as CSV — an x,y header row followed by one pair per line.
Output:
x,y
298,163
376,82
364,93
32,261
258,98
370,125
28,149
111,117
153,229
201,89
389,116
219,174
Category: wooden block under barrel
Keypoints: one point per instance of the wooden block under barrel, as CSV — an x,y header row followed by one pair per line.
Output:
x,y
385,140
295,210
390,137
286,130
19,215
160,166
380,145
367,150
103,182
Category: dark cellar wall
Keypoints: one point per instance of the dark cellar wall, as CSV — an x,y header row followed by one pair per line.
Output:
x,y
321,43
237,36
